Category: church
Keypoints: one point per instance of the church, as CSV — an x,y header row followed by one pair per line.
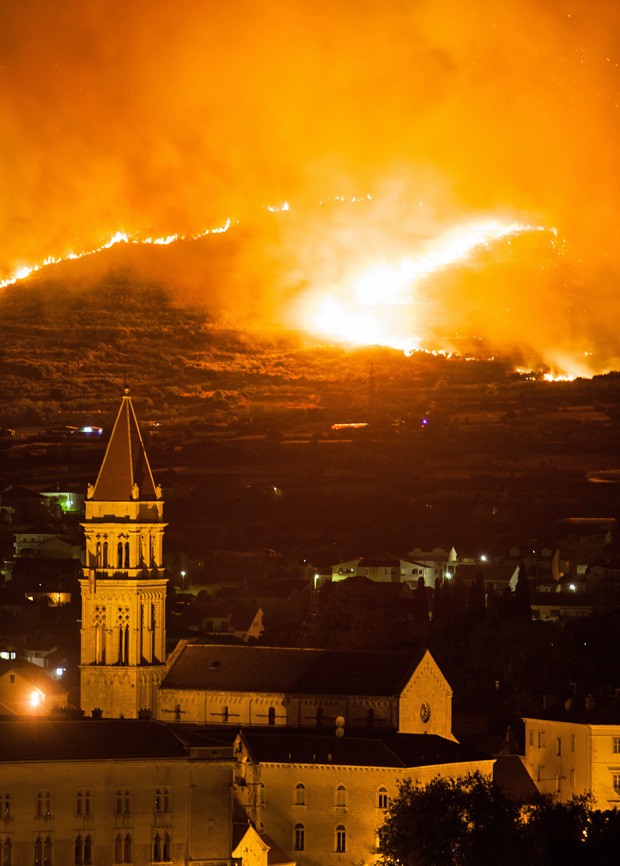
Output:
x,y
123,669
315,740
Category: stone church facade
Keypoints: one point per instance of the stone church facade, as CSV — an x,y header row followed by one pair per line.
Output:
x,y
123,634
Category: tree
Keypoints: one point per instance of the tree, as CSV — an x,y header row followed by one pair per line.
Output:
x,y
476,599
449,822
468,821
522,606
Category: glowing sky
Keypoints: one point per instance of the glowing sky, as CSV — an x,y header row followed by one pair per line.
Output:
x,y
154,118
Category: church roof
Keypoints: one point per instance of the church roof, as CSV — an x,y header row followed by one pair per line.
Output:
x,y
125,462
292,671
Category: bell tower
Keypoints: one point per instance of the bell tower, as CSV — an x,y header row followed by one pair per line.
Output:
x,y
123,634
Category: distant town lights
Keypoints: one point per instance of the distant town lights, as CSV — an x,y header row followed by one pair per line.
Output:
x,y
484,557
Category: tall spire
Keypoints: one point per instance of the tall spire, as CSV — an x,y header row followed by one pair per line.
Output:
x,y
125,472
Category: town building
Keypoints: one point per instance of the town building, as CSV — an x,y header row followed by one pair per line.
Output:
x,y
322,796
574,748
385,568
320,737
112,792
26,690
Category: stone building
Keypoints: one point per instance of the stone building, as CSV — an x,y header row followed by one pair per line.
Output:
x,y
248,686
574,748
101,792
123,634
322,796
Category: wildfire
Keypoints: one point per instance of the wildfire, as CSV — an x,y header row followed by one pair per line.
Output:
x,y
364,308
380,302
117,238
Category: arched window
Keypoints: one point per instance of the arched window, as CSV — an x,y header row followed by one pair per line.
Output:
x,y
166,848
157,848
88,851
44,804
98,554
105,554
6,805
319,717
87,802
118,848
300,837
7,853
78,852
47,851
167,803
122,804
126,554
119,555
341,795
38,851
300,795
79,806
158,800
341,838
272,715
127,854
382,798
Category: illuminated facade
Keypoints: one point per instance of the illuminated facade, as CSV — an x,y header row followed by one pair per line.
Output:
x,y
111,792
242,686
322,797
123,635
575,749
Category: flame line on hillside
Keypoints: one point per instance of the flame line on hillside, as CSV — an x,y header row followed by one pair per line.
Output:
x,y
118,238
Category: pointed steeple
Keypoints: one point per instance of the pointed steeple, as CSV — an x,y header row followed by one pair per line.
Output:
x,y
125,473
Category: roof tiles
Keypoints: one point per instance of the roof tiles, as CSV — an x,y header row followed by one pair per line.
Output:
x,y
293,671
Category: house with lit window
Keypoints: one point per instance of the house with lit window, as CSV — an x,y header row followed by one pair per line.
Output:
x,y
26,690
384,568
574,748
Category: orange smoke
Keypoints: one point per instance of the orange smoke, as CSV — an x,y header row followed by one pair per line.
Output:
x,y
155,120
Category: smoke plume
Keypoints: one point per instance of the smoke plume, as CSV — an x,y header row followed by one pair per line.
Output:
x,y
156,117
